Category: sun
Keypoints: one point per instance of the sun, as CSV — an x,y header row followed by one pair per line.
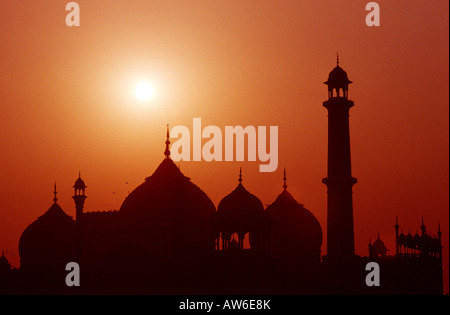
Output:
x,y
144,91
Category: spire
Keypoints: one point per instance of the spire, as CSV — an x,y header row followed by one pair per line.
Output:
x,y
422,227
55,199
284,180
240,175
337,59
167,151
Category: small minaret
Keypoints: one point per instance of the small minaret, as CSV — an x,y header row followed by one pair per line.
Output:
x,y
79,197
167,151
397,246
284,180
340,236
422,228
55,199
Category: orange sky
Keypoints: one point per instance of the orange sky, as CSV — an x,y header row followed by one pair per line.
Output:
x,y
67,102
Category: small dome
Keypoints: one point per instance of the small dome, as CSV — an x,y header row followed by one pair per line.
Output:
x,y
338,78
241,203
378,245
409,237
242,212
379,249
48,240
294,228
79,183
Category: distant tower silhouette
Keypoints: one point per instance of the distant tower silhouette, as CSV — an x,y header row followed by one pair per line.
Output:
x,y
167,151
340,236
55,193
397,245
422,228
79,196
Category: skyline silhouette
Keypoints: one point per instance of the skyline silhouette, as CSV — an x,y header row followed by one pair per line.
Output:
x,y
68,105
168,237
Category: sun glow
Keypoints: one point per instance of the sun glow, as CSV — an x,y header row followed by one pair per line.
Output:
x,y
144,91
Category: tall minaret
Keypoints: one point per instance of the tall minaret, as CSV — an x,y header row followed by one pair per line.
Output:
x,y
79,197
340,233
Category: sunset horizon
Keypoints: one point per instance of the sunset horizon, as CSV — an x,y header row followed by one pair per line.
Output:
x,y
97,102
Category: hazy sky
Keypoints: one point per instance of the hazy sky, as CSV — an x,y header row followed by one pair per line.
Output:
x,y
68,104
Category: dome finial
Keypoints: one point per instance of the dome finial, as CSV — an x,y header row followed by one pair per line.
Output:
x,y
284,180
337,60
55,199
240,175
167,151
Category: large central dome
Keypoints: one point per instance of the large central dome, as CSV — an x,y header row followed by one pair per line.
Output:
x,y
169,216
168,195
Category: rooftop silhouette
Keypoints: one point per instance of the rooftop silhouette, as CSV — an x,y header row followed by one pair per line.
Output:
x,y
168,237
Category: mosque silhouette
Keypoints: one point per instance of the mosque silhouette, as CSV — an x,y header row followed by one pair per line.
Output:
x,y
168,238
